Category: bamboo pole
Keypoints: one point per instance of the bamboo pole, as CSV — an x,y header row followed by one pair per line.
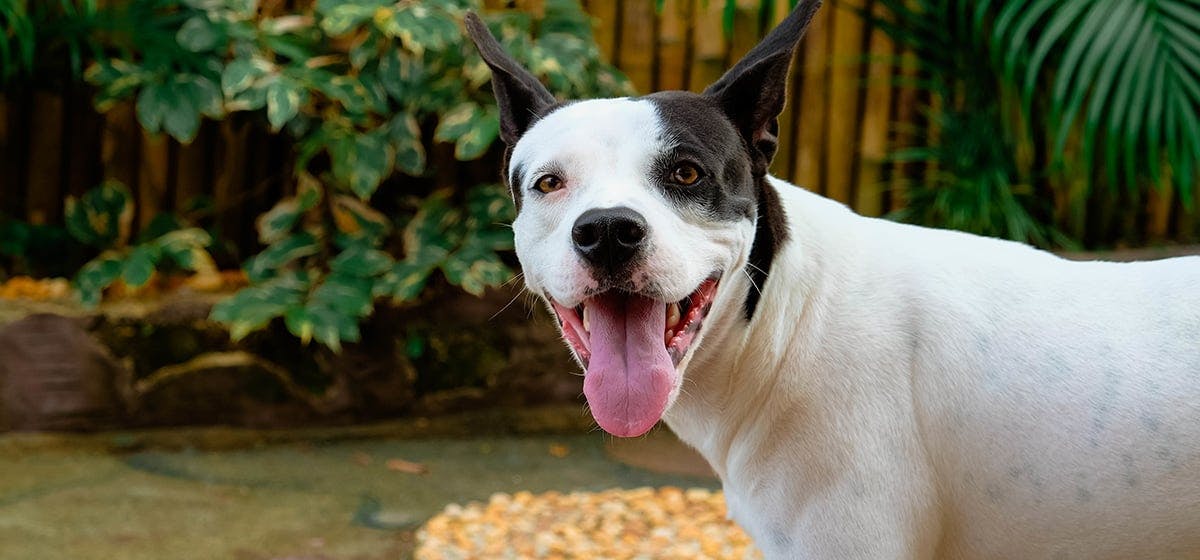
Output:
x,y
607,28
6,165
44,200
152,177
869,195
813,106
784,164
119,144
903,127
192,178
708,62
672,37
636,47
844,100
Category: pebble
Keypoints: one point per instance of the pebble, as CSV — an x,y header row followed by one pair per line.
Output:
x,y
664,523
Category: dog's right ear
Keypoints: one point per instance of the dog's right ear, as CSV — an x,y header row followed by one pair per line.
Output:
x,y
753,91
520,96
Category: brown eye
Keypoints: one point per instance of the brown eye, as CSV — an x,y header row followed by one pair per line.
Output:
x,y
685,174
549,183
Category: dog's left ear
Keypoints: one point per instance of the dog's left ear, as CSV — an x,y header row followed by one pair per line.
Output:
x,y
752,93
519,94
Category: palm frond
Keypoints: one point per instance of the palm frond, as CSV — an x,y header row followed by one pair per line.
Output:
x,y
1122,74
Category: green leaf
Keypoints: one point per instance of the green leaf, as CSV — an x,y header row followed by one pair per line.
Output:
x,y
139,266
252,99
344,18
483,133
181,118
280,254
204,94
198,34
491,204
356,219
277,223
370,163
300,322
283,102
253,308
153,104
346,294
364,51
405,135
361,262
331,326
102,217
238,75
475,268
405,281
96,275
186,247
458,121
431,234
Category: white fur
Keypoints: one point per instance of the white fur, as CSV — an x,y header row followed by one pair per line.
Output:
x,y
904,392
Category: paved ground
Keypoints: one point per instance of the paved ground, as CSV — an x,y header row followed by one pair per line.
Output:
x,y
299,500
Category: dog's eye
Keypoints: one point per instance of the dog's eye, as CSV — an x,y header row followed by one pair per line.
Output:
x,y
549,183
685,174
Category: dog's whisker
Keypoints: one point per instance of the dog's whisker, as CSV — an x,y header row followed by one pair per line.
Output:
x,y
506,306
516,277
752,284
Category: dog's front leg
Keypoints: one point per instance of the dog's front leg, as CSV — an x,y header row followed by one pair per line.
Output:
x,y
844,525
837,481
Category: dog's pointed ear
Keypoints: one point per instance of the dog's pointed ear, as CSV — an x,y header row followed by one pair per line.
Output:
x,y
521,97
752,93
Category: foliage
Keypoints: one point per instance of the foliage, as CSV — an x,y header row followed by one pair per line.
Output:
x,y
327,303
101,219
1124,75
1025,91
366,88
976,183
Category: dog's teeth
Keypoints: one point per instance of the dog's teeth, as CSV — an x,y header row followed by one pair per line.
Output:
x,y
672,315
587,319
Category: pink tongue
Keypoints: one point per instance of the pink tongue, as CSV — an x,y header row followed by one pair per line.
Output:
x,y
629,374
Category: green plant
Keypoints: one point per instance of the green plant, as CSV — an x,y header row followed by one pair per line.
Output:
x,y
1122,75
101,219
40,37
975,182
1023,92
365,88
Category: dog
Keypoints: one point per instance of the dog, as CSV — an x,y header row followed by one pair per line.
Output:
x,y
863,388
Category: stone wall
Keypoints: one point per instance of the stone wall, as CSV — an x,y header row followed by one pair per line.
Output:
x,y
137,363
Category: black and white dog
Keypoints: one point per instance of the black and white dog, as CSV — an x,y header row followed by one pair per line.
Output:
x,y
864,389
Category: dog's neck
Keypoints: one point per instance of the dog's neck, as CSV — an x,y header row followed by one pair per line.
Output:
x,y
716,411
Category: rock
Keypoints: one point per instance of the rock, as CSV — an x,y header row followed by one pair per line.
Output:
x,y
55,376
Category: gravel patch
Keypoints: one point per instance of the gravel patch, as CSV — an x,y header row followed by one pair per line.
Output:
x,y
642,523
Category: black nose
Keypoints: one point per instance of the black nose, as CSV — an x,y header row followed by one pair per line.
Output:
x,y
609,237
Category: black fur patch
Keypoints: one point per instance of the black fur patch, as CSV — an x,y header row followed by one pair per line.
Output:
x,y
731,190
700,133
770,233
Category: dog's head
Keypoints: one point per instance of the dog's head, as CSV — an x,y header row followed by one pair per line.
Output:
x,y
635,214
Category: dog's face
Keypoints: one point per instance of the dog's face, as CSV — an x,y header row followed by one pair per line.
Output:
x,y
629,220
634,213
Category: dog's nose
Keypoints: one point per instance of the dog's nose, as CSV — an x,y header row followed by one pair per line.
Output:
x,y
609,237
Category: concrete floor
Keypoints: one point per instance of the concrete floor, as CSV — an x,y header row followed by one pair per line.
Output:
x,y
297,500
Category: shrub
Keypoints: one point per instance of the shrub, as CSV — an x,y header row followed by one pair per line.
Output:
x,y
364,88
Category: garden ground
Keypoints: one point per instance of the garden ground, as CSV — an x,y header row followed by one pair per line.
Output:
x,y
354,493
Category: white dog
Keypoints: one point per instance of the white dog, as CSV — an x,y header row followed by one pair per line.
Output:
x,y
864,389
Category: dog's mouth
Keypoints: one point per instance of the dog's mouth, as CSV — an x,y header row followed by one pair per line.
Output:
x,y
631,345
682,319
